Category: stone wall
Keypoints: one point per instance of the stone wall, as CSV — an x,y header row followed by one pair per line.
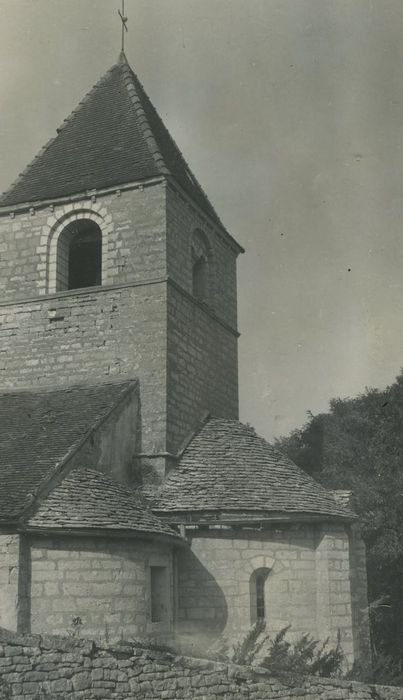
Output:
x,y
182,221
49,668
9,577
308,585
82,337
186,369
101,584
133,224
202,367
334,602
143,322
112,446
359,592
214,580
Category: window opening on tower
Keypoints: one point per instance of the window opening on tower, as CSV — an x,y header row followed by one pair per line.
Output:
x,y
79,256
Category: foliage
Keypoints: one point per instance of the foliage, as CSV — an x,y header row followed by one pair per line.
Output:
x,y
304,657
283,658
245,652
385,670
358,445
76,626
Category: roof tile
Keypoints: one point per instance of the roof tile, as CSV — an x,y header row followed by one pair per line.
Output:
x,y
228,467
114,136
39,428
88,500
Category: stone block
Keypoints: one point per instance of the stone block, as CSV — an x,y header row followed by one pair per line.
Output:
x,y
82,681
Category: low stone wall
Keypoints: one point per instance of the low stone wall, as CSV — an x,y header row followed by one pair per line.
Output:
x,y
48,668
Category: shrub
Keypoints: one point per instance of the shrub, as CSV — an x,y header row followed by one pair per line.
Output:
x,y
305,657
245,652
282,658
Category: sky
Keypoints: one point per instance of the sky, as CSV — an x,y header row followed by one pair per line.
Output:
x,y
290,114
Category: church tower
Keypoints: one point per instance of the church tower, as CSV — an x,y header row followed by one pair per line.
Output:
x,y
118,317
113,263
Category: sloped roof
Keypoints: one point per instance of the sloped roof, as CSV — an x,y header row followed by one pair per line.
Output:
x,y
115,136
88,500
228,467
39,428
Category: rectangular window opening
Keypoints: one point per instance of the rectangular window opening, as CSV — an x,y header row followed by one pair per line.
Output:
x,y
159,593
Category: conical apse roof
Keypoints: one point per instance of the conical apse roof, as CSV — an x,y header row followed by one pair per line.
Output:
x,y
228,468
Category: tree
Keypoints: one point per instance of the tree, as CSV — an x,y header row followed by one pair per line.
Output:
x,y
358,445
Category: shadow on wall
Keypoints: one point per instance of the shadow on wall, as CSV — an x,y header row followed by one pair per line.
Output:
x,y
202,608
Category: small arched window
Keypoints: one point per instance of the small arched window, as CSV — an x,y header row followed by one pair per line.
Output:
x,y
258,603
199,278
79,256
200,267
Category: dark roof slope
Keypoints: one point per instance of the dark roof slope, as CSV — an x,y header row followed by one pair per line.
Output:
x,y
115,136
88,500
227,467
39,428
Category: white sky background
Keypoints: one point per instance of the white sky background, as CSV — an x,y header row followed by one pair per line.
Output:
x,y
290,113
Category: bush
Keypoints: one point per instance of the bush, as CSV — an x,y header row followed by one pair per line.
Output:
x,y
282,658
304,657
245,652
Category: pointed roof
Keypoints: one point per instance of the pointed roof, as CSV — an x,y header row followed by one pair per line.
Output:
x,y
113,137
228,468
89,500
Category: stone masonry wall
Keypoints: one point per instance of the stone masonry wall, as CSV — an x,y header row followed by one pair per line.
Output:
x,y
359,593
334,595
202,367
182,221
214,581
50,668
9,574
132,222
202,352
83,337
185,358
112,446
104,583
214,584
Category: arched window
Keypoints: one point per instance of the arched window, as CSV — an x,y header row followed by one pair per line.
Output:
x,y
200,267
258,603
79,256
199,278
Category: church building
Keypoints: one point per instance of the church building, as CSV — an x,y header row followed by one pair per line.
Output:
x,y
133,503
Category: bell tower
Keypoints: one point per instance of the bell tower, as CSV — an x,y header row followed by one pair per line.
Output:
x,y
113,263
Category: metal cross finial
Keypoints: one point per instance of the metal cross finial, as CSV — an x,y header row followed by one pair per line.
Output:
x,y
124,20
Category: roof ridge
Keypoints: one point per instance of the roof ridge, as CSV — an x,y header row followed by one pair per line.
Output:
x,y
186,168
130,79
190,436
192,178
59,129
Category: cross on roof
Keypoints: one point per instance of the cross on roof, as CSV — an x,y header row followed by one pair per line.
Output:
x,y
124,20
